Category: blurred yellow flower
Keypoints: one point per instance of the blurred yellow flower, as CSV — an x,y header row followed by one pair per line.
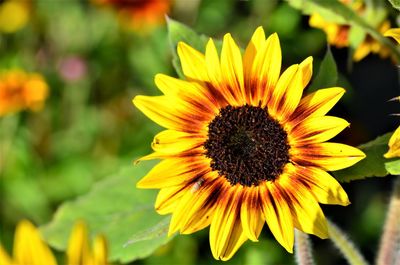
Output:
x,y
139,14
338,34
20,90
14,14
29,248
394,142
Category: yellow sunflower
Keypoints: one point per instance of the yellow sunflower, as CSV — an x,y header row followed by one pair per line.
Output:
x,y
29,248
242,147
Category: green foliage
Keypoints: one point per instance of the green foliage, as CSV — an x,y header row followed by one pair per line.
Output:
x,y
327,74
117,209
395,3
374,165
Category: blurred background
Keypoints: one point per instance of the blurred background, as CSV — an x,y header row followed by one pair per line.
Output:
x,y
94,56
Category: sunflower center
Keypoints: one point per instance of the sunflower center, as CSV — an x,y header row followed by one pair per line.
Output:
x,y
246,145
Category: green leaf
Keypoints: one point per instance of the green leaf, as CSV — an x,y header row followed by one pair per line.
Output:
x,y
327,74
117,209
395,4
335,11
374,165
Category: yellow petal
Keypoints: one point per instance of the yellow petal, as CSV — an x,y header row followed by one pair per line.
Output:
x,y
316,130
251,214
362,51
168,198
78,246
329,156
394,33
278,216
175,142
4,257
100,250
173,172
266,68
316,104
213,64
254,46
280,89
191,92
232,68
197,202
325,188
307,215
394,145
226,233
307,70
171,113
29,248
193,62
291,97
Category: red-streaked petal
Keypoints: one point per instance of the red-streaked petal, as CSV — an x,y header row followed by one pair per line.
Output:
x,y
278,215
226,233
329,156
316,130
251,213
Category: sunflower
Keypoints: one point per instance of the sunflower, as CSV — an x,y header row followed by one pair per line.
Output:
x,y
338,34
20,90
29,248
139,14
242,147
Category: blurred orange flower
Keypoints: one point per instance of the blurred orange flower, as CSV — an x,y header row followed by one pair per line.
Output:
x,y
139,14
338,34
20,90
14,15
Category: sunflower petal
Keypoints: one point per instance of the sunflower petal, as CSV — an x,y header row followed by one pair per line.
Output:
x,y
254,46
232,68
78,245
172,172
325,188
100,252
29,248
168,198
4,257
280,89
307,70
193,62
291,97
213,63
251,214
316,130
195,210
394,145
307,214
394,33
329,156
165,111
278,216
190,92
266,69
175,142
316,104
226,233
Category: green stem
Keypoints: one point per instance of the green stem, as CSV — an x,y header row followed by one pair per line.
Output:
x,y
388,248
303,249
342,242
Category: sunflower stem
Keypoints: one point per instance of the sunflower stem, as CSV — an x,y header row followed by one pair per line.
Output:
x,y
343,243
303,249
389,246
